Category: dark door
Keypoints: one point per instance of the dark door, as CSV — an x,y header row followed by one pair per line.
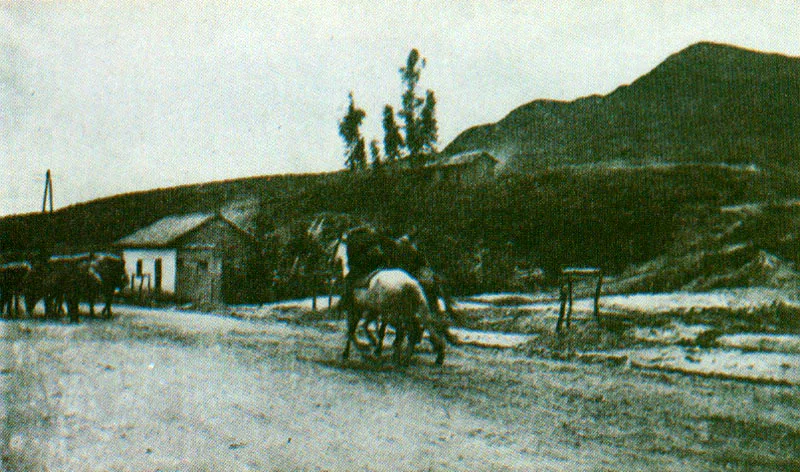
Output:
x,y
157,274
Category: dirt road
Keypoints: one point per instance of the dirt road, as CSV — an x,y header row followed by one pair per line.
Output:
x,y
167,390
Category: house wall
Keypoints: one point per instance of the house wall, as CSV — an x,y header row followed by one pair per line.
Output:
x,y
199,274
208,265
225,254
148,258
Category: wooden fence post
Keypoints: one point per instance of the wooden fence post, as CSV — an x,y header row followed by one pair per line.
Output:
x,y
569,294
566,295
562,297
597,298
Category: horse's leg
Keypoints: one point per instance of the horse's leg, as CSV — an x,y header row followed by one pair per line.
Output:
x,y
397,346
368,317
29,307
438,345
60,305
73,309
109,300
414,334
434,335
368,333
352,325
381,336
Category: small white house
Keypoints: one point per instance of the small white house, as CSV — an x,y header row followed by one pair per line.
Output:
x,y
199,257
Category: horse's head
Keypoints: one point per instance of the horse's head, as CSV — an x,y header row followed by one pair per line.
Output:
x,y
407,254
339,260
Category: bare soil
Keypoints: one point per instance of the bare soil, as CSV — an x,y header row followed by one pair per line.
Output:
x,y
166,390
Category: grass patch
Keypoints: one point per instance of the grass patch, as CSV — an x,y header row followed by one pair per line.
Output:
x,y
581,336
777,317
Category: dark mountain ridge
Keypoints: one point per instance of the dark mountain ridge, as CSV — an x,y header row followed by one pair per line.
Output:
x,y
709,103
617,181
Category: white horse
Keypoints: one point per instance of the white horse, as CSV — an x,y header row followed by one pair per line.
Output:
x,y
394,297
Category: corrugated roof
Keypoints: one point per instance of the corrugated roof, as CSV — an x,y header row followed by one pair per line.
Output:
x,y
165,231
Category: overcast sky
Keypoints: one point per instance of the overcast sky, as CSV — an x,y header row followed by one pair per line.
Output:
x,y
131,95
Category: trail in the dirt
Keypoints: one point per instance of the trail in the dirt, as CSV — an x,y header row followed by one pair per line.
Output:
x,y
176,391
227,395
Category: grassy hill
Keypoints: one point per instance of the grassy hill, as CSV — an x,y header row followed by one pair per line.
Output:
x,y
709,103
677,181
98,223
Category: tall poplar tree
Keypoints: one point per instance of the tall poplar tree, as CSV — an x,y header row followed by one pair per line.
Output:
x,y
392,139
375,154
410,103
349,129
428,126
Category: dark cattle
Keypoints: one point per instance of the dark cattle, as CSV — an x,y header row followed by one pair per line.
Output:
x,y
12,279
72,279
69,280
108,274
394,297
35,287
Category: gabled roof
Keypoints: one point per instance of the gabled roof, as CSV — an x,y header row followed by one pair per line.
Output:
x,y
165,231
463,158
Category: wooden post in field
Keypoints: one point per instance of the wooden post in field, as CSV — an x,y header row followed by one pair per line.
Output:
x,y
562,297
597,297
330,291
566,295
569,294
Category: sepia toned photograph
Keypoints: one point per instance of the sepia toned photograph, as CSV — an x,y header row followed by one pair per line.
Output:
x,y
468,235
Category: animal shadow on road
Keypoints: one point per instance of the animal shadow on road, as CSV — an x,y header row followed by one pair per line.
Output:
x,y
368,363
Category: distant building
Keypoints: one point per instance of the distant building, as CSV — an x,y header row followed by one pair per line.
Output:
x,y
199,257
467,168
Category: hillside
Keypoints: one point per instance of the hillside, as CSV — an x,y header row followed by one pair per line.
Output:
x,y
708,103
684,179
98,223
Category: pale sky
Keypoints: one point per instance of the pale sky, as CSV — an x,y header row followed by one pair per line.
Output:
x,y
131,95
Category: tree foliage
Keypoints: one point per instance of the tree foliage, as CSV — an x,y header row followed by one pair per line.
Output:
x,y
411,103
418,114
350,131
392,139
375,154
428,127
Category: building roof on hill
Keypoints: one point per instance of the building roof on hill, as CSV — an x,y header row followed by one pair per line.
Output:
x,y
463,158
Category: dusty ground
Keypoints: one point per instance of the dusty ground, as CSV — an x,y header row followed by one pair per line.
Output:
x,y
165,390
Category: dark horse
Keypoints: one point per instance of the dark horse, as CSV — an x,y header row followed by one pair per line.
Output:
x,y
363,250
12,280
108,275
72,279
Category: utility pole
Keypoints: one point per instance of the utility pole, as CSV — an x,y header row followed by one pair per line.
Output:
x,y
48,189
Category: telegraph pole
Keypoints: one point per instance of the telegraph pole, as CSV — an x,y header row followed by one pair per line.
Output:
x,y
48,190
